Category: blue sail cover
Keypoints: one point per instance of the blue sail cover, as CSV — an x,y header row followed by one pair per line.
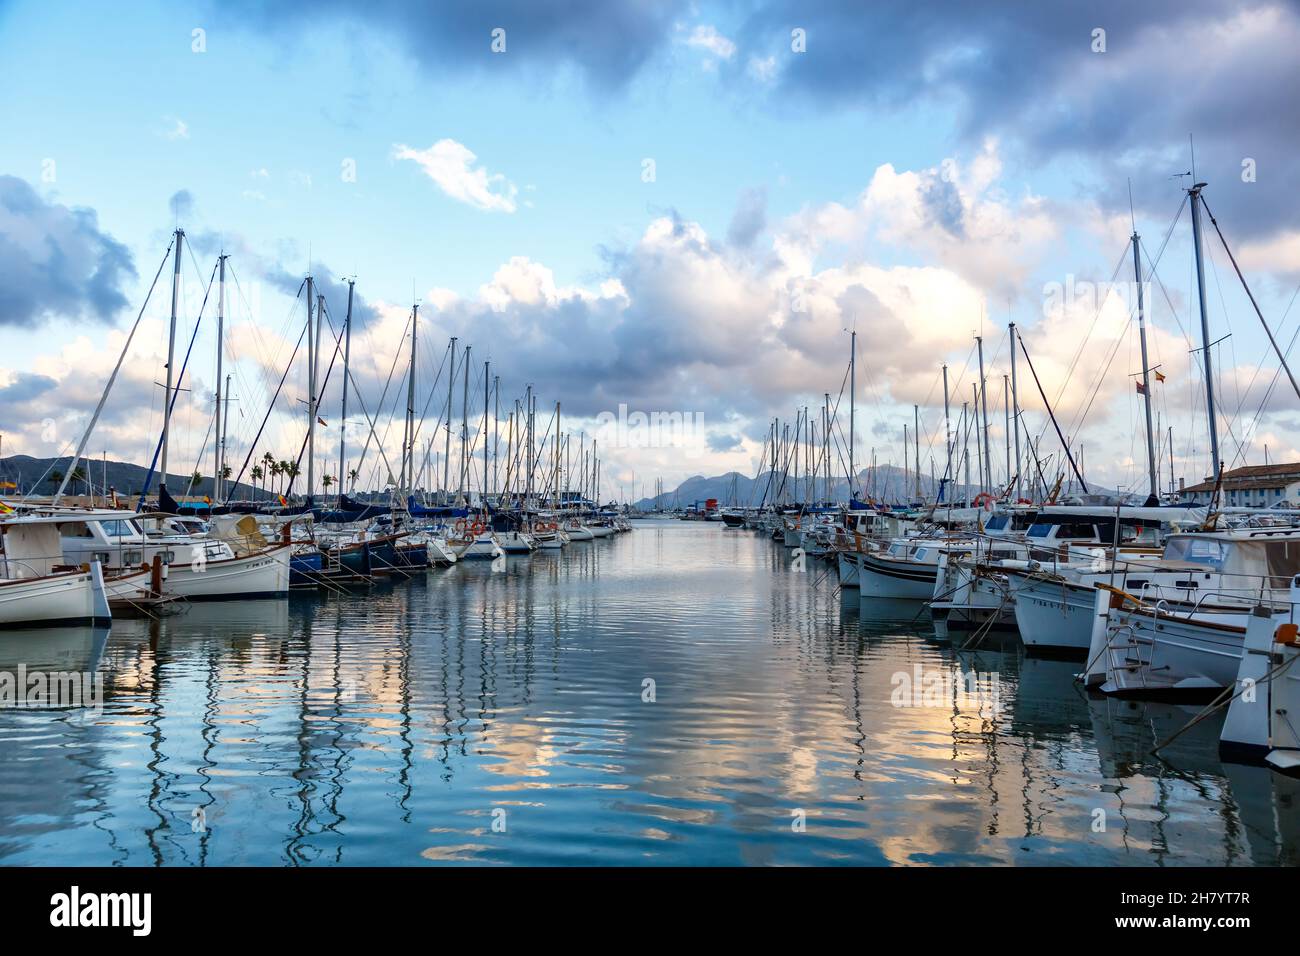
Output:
x,y
420,511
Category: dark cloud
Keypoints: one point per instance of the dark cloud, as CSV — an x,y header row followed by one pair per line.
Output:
x,y
1226,73
942,204
55,261
607,40
721,442
25,387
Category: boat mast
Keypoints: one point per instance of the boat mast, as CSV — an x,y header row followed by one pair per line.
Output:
x,y
1154,497
984,401
1195,193
311,388
216,428
496,429
408,475
1015,403
947,434
916,438
1006,413
487,380
343,412
965,449
462,492
446,451
171,359
853,379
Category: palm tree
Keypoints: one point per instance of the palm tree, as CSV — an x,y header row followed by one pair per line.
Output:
x,y
353,474
55,477
256,474
326,481
275,472
79,475
195,480
291,469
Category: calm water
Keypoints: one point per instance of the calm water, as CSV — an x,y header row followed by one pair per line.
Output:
x,y
398,727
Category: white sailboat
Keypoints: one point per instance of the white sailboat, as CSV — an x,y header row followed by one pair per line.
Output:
x,y
37,588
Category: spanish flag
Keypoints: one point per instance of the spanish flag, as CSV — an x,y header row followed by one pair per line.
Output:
x,y
1141,390
283,500
1159,377
5,509
8,486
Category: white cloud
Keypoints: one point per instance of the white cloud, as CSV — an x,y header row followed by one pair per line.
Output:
x,y
179,129
452,166
763,69
705,37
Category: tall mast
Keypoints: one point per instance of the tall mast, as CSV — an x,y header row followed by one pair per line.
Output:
x,y
225,427
947,435
216,428
487,378
984,401
853,379
1195,193
965,449
464,426
311,388
343,412
408,481
826,443
1154,497
906,473
1015,403
916,438
446,452
1006,414
171,359
496,429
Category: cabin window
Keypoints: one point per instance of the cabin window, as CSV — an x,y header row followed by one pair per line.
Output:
x,y
1197,550
118,528
996,523
75,529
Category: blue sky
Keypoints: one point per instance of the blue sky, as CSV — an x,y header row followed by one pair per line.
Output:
x,y
830,165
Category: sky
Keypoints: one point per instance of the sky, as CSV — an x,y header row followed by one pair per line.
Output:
x,y
672,209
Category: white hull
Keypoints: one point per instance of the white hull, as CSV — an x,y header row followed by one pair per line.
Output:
x,y
263,574
512,542
73,598
1173,654
483,548
580,534
1052,618
441,553
847,565
895,580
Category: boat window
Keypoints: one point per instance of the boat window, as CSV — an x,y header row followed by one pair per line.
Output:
x,y
75,529
1283,560
919,554
1205,551
1040,530
996,523
119,527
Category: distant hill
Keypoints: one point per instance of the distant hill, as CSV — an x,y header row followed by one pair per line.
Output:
x,y
31,475
885,482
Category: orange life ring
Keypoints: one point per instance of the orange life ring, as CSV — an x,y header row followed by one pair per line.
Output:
x,y
984,500
477,528
460,524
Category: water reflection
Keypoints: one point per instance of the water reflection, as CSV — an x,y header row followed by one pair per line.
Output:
x,y
676,695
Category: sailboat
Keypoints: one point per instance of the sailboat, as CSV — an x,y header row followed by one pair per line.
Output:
x,y
37,589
